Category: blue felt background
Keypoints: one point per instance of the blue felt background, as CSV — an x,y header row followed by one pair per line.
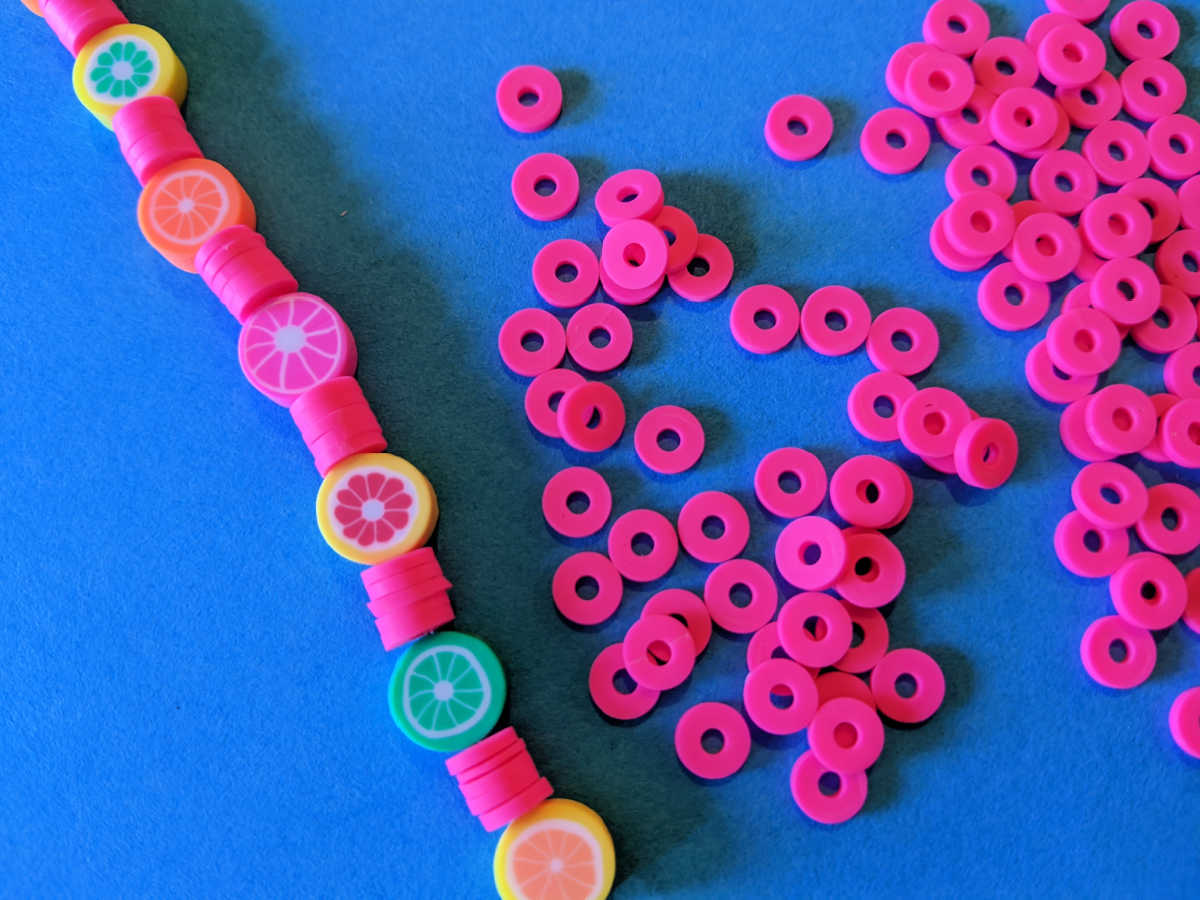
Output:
x,y
191,691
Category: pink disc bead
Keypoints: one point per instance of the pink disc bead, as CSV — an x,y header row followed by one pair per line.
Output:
x,y
969,126
1010,301
686,606
1152,89
1161,204
846,735
754,580
1073,548
763,645
979,223
925,674
874,402
580,486
986,453
1071,55
1109,495
902,340
1092,104
535,84
842,684
938,83
591,417
1023,119
875,571
1003,63
1043,25
948,254
569,580
292,344
152,135
1046,247
790,482
1116,226
1179,433
599,337
543,395
864,656
544,335
1144,29
657,427
1164,136
779,678
481,756
75,22
798,127
566,273
1051,383
735,740
634,254
681,234
1118,152
897,69
868,491
909,131
240,269
1083,10
729,519
1171,523
985,168
764,319
336,422
1111,633
631,194
1148,591
1072,428
830,637
1127,291
1063,181
810,553
956,26
412,620
559,177
1189,202
930,421
616,704
1120,419
658,633
714,260
651,526
835,320
1083,342
1154,450
626,297
806,780
1184,722
1177,262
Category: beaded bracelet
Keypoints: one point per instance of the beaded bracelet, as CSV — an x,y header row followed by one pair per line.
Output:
x,y
448,689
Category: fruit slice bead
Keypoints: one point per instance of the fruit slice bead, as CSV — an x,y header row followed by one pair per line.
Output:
x,y
560,851
125,63
186,204
447,691
374,506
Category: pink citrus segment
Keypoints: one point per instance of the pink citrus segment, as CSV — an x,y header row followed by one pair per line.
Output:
x,y
560,851
295,343
187,203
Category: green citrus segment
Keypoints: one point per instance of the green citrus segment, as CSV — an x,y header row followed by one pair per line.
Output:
x,y
447,691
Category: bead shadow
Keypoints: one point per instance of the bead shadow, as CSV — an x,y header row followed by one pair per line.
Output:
x,y
720,208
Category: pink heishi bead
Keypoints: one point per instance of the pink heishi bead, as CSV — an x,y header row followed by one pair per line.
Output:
x,y
152,135
242,271
1073,550
336,422
1160,24
75,22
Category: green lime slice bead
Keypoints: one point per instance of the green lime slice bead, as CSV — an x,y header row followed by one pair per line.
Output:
x,y
447,691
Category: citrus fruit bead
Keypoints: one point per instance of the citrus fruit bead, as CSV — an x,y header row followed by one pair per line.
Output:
x,y
125,63
447,691
187,203
374,506
560,850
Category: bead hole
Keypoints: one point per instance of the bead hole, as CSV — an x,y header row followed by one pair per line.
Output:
x,y
587,588
599,337
712,741
835,320
845,734
810,554
829,784
896,140
906,685
578,502
902,341
713,527
532,341
528,97
789,482
1118,652
566,272
884,407
642,544
544,187
634,255
698,266
668,440
797,126
740,595
764,319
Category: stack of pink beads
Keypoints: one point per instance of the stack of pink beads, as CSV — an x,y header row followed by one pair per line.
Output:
x,y
1096,214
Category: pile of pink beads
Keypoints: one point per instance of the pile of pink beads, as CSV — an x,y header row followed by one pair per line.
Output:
x,y
1122,216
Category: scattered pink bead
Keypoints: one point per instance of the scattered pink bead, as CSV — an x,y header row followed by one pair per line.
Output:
x,y
908,665
1160,27
1058,137
763,645
1092,104
1097,483
667,637
1083,10
969,126
1043,25
1164,136
979,223
591,417
832,624
979,168
956,26
1171,523
1003,63
1071,55
1148,591
874,403
615,704
846,735
986,453
897,69
543,395
1117,151
1160,202
844,804
586,485
948,254
553,171
1154,450
907,129
1023,119
874,644
1184,721
1179,433
718,591
529,83
1071,544
721,509
938,83
1083,342
599,337
778,471
532,341
1152,89
1177,262
771,306
996,297
632,194
875,571
1051,383
892,330
1113,633
1120,419
626,297
656,428
1116,226
650,525
735,740
1126,290
687,606
566,273
781,678
681,234
716,263
1045,247
1072,428
1064,182
634,255
810,553
798,127
571,573
830,306
868,491
930,421
842,684
1180,370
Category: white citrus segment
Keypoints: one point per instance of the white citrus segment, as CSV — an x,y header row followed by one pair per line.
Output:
x,y
446,692
374,506
560,851
294,343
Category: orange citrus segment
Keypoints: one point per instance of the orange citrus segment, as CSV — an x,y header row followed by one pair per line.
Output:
x,y
560,851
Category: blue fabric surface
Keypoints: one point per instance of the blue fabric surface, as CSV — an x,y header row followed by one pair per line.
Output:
x,y
192,693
